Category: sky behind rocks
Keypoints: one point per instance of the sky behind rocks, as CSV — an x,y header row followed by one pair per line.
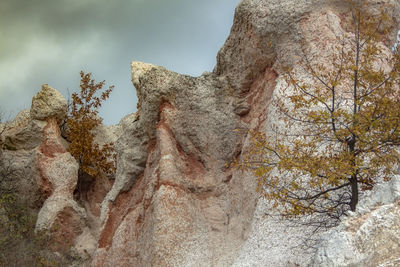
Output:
x,y
48,41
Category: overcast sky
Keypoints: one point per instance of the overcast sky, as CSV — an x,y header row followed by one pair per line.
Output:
x,y
50,41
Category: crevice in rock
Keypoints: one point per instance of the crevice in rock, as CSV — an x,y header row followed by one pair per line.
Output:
x,y
118,210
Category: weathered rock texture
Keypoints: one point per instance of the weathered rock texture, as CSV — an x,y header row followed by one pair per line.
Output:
x,y
44,172
286,25
57,171
57,179
46,175
48,103
23,132
174,201
369,237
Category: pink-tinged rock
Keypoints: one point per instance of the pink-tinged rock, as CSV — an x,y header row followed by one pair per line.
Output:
x,y
58,175
100,186
57,168
174,202
184,207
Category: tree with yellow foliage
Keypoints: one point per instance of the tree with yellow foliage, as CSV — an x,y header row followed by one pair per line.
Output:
x,y
82,119
340,128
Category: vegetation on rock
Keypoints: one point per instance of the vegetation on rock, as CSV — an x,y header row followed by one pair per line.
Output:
x,y
82,119
340,126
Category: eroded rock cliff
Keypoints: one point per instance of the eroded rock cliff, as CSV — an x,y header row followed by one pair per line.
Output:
x,y
175,201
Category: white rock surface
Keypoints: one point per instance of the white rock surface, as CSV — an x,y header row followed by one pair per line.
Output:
x,y
370,236
52,207
85,244
105,134
271,242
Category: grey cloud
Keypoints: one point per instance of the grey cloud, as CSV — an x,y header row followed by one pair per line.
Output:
x,y
47,41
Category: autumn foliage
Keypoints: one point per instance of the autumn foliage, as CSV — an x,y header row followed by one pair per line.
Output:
x,y
82,119
338,127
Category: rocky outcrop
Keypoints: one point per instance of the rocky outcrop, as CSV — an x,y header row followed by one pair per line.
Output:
x,y
22,139
23,132
45,174
57,171
369,237
269,31
174,202
70,224
57,179
26,130
48,103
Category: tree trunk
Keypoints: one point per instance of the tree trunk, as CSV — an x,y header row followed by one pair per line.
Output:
x,y
354,193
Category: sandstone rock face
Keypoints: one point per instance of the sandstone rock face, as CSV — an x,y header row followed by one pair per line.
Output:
x,y
48,103
369,237
174,202
69,223
44,173
58,175
23,132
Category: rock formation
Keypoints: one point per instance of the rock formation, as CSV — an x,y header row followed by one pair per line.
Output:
x,y
46,175
369,237
175,201
48,103
57,179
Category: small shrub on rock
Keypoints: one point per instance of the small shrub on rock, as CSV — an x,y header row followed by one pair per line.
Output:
x,y
82,119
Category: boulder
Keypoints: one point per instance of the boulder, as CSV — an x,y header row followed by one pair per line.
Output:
x,y
48,103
